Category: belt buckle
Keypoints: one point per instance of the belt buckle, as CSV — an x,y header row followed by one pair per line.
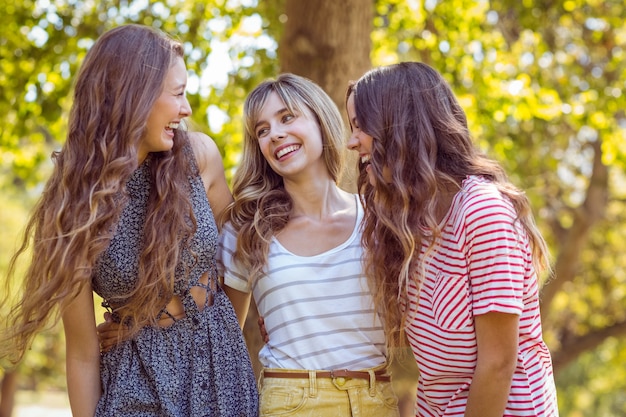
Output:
x,y
339,373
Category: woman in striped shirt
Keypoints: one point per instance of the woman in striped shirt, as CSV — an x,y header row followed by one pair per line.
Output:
x,y
452,242
292,240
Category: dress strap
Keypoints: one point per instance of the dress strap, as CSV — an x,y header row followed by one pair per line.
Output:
x,y
210,290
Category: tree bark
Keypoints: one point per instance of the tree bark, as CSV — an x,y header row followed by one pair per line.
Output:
x,y
8,389
574,346
572,242
575,238
328,41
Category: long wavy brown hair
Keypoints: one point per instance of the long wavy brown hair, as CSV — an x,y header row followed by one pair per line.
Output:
x,y
420,135
119,81
262,207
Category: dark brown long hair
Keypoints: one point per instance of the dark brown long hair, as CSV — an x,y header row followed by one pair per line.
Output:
x,y
420,135
119,81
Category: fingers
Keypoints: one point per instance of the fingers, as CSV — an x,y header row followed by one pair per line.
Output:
x,y
264,335
107,335
110,333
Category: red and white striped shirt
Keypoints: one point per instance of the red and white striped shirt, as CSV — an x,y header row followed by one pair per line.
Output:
x,y
482,263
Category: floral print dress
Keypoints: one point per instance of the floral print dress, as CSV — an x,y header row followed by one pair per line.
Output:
x,y
198,366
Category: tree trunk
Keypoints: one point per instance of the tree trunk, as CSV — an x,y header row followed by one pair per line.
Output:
x,y
8,388
571,244
576,237
328,41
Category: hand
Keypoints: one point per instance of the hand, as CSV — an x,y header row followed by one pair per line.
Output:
x,y
264,335
110,333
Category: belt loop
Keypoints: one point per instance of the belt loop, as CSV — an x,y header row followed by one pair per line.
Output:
x,y
312,384
259,381
372,382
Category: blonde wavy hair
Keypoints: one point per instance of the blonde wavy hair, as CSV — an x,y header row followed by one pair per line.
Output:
x,y
420,135
261,206
119,81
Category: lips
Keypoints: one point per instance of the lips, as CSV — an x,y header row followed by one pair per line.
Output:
x,y
172,126
285,150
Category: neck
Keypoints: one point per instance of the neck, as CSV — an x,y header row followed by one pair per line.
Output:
x,y
318,199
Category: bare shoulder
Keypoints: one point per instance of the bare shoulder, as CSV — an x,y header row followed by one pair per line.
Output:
x,y
205,149
211,170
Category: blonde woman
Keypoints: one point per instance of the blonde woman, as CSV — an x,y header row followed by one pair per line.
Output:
x,y
292,240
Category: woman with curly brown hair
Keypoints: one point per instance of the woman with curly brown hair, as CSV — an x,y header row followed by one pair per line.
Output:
x,y
128,214
452,250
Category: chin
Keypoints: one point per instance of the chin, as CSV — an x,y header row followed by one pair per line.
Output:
x,y
167,145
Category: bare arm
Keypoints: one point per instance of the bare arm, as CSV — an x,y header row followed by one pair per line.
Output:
x,y
240,301
212,171
497,338
83,354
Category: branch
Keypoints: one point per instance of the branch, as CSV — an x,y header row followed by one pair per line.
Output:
x,y
572,347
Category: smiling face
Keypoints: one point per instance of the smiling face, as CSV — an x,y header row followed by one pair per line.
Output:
x,y
360,141
363,143
167,112
290,141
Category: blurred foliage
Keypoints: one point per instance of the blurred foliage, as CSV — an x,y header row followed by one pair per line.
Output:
x,y
228,49
543,84
594,385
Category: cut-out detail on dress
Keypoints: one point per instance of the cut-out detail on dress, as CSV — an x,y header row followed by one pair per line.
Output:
x,y
203,293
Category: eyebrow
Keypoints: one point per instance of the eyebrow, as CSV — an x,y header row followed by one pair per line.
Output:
x,y
276,113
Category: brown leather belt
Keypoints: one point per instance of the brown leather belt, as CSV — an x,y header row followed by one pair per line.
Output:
x,y
338,373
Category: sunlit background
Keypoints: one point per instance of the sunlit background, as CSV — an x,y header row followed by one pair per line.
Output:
x,y
543,84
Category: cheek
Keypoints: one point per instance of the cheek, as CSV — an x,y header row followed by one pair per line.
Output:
x,y
368,142
264,148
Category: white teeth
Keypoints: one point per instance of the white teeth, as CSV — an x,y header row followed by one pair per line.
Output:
x,y
173,126
286,150
365,158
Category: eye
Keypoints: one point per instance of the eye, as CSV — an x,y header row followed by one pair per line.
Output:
x,y
287,117
262,132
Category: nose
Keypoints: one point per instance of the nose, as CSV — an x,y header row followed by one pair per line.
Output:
x,y
353,142
277,133
185,109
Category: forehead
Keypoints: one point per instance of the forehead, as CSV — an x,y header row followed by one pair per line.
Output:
x,y
272,102
177,73
278,101
350,102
